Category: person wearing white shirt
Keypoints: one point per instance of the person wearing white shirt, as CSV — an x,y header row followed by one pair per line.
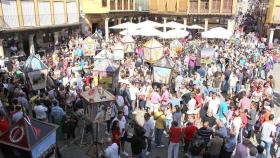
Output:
x,y
214,104
133,94
268,133
41,112
122,125
112,150
149,126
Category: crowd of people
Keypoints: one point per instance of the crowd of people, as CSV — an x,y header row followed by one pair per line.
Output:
x,y
220,108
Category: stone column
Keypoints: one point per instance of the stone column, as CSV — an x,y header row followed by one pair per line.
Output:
x,y
55,37
206,24
130,19
107,29
271,34
31,44
185,23
2,55
230,25
164,23
119,20
139,19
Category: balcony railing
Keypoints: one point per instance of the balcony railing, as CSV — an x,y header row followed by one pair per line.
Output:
x,y
12,21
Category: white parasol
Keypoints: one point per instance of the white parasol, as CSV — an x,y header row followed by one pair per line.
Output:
x,y
149,32
125,25
218,32
129,31
175,34
195,27
149,23
173,24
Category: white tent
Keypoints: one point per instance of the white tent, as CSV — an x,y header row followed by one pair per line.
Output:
x,y
175,34
173,24
218,32
127,39
129,31
149,24
104,54
149,31
195,27
125,25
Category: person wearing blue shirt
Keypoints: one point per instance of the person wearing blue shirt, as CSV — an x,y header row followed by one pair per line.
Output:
x,y
223,110
79,52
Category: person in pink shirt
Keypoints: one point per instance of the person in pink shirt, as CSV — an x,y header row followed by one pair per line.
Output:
x,y
245,102
155,100
165,97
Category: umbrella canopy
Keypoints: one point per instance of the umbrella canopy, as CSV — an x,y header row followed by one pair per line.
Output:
x,y
34,63
149,23
149,31
218,32
125,25
153,51
174,34
104,54
173,24
195,27
129,31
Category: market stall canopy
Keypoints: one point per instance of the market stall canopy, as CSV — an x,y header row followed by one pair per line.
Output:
x,y
105,65
207,52
149,31
218,33
27,134
104,54
165,62
173,24
34,63
149,23
195,27
175,34
130,31
153,51
125,25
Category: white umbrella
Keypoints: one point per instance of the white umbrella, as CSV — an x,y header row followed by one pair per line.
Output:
x,y
125,25
173,24
129,31
218,32
149,31
174,34
149,24
197,27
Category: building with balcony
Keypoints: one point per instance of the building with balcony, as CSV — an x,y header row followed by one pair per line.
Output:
x,y
35,25
273,20
105,13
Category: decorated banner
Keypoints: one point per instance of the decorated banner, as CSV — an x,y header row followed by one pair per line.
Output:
x,y
162,75
38,79
176,46
89,46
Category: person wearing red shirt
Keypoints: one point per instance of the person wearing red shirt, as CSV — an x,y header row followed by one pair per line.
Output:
x,y
116,134
4,123
189,132
175,133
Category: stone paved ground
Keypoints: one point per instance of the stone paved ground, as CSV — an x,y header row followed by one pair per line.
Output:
x,y
75,151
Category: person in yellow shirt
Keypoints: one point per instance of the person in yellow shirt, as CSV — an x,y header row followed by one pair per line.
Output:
x,y
160,119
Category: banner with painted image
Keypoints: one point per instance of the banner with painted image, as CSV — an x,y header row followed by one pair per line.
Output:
x,y
38,79
162,75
